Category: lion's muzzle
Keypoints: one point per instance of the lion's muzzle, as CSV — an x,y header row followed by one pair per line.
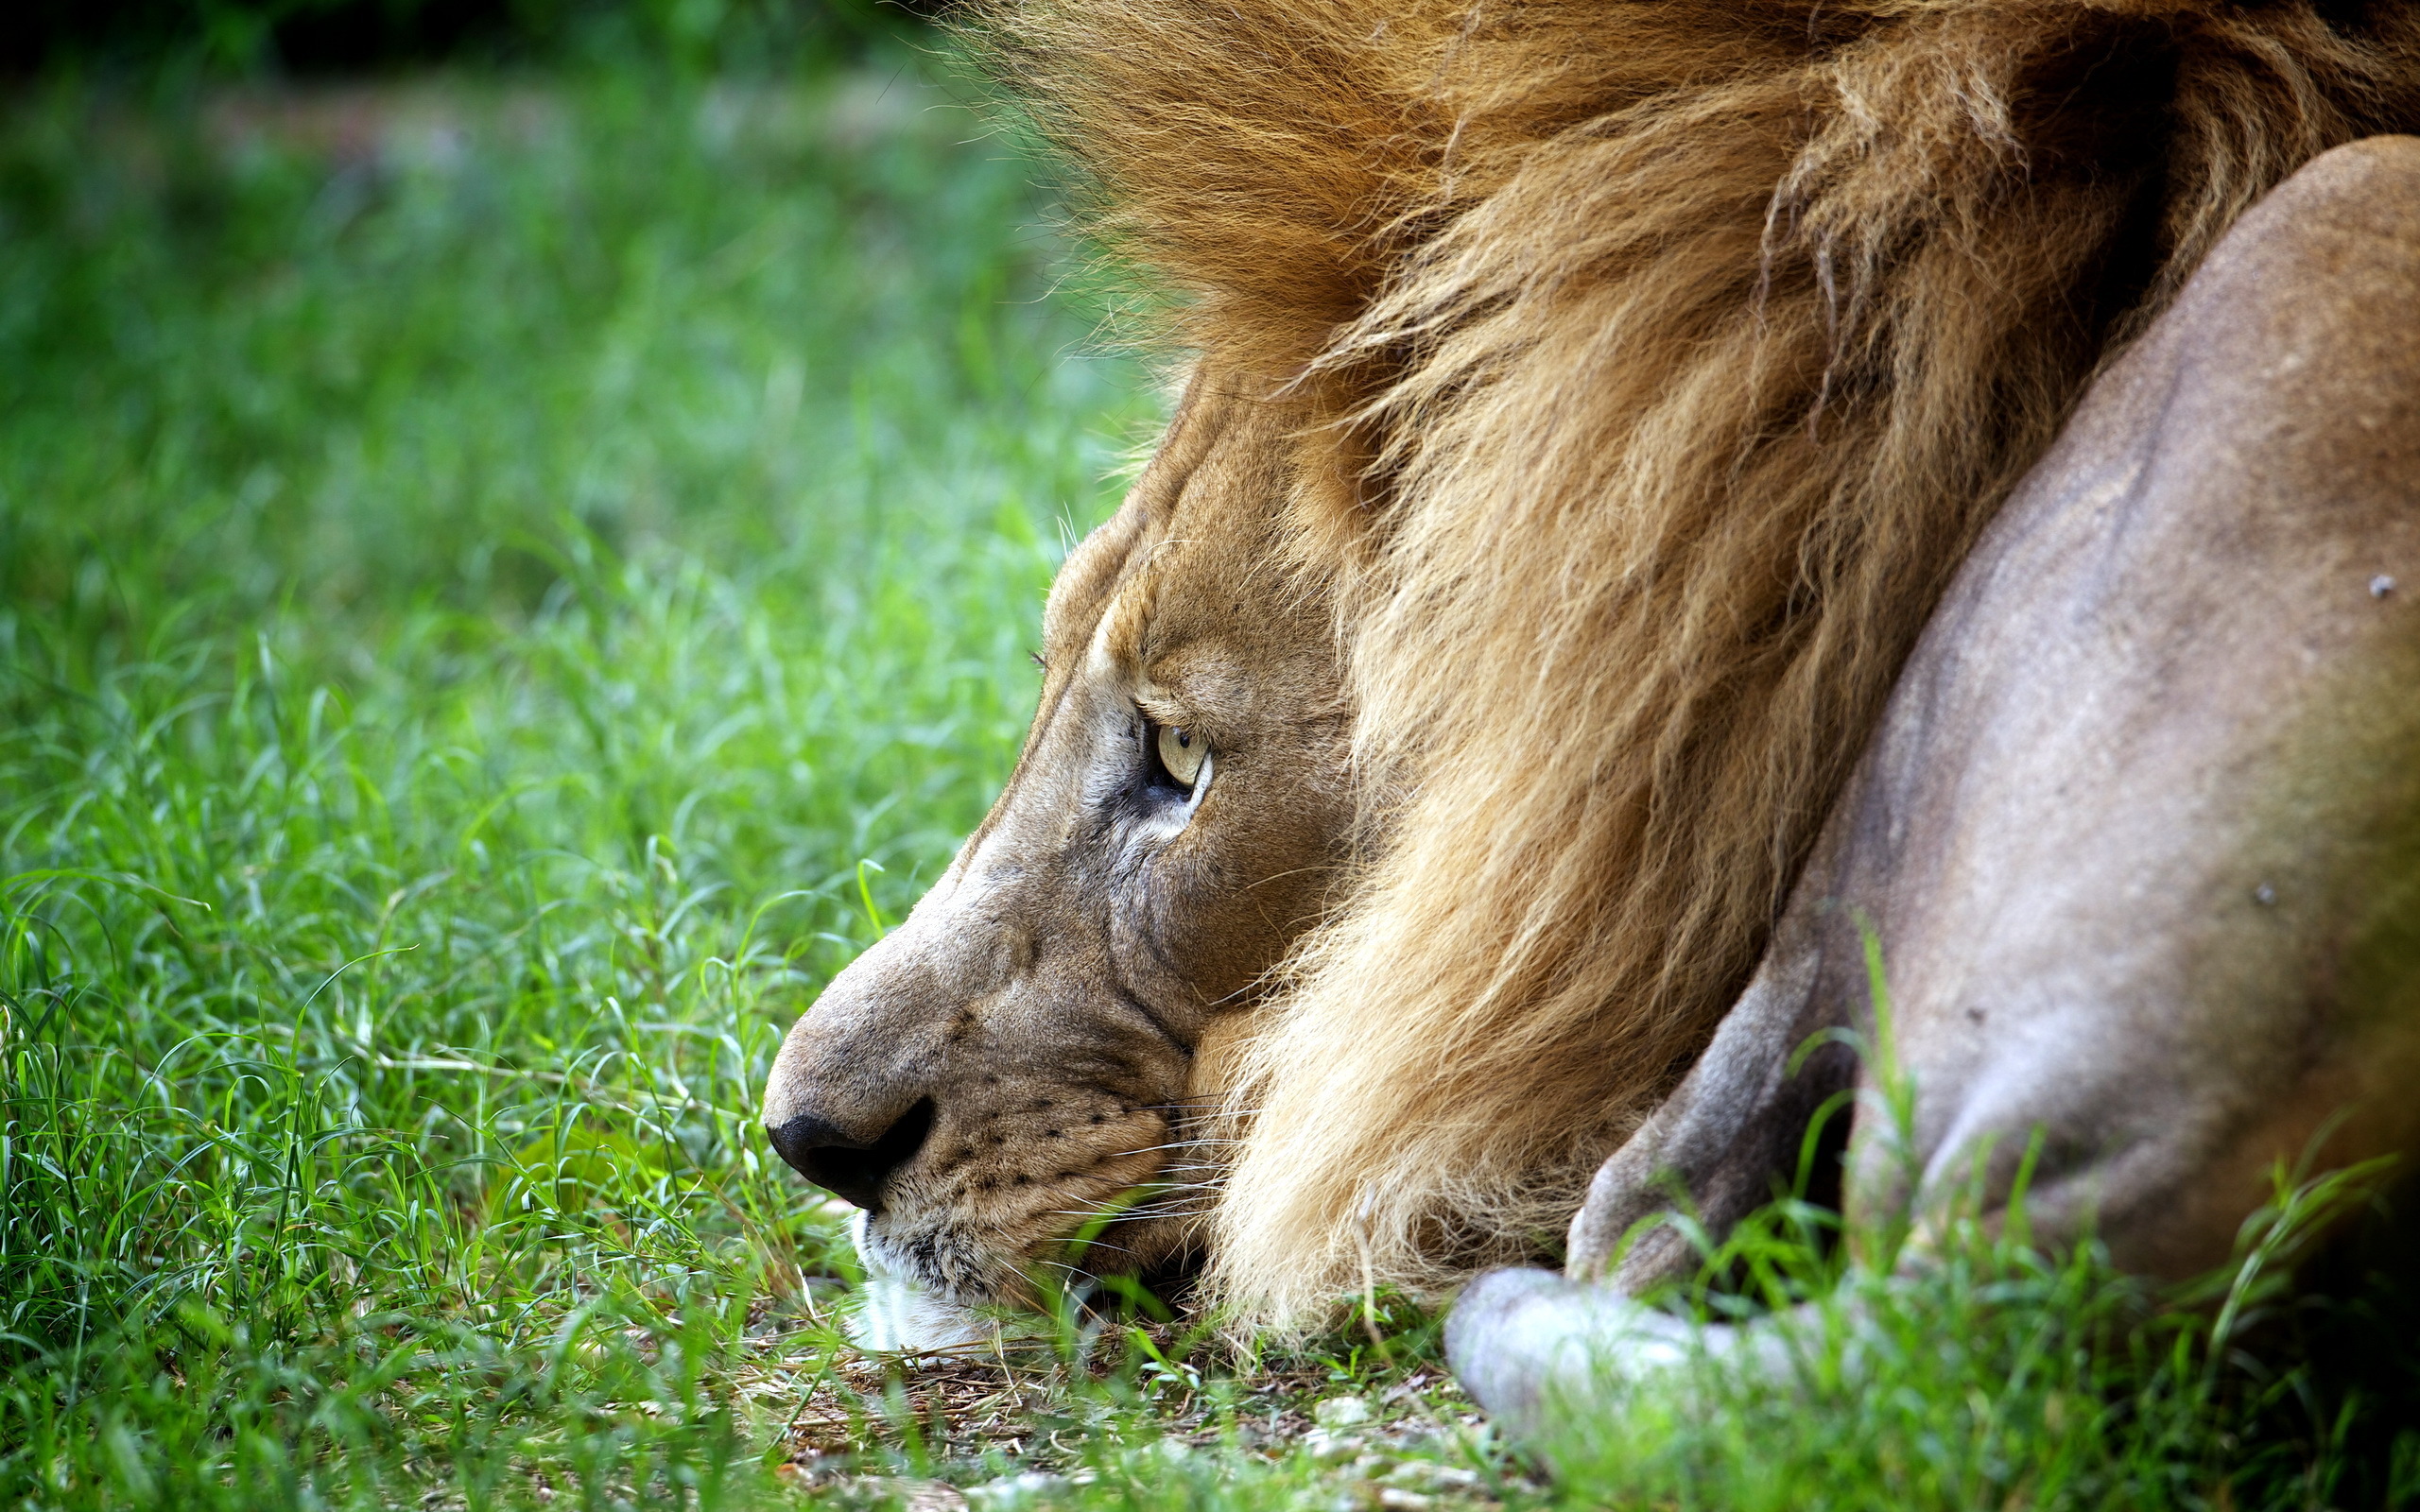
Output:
x,y
980,1083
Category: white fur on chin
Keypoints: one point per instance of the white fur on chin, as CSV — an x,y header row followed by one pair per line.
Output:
x,y
900,1315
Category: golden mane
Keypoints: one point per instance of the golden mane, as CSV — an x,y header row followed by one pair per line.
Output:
x,y
1690,345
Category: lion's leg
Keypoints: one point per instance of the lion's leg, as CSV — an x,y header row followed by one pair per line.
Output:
x,y
1526,1343
2140,834
1521,1339
1734,1128
2141,831
1529,1344
1533,1347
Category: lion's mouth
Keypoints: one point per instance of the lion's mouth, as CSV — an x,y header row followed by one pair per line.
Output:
x,y
933,1281
901,1309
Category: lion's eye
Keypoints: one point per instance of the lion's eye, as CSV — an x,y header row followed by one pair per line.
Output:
x,y
1182,753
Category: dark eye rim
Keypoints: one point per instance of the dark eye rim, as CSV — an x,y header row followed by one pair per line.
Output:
x,y
1155,770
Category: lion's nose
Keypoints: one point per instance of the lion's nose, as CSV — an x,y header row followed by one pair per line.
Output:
x,y
854,1169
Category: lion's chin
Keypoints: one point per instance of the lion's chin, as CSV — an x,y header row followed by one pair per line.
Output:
x,y
900,1313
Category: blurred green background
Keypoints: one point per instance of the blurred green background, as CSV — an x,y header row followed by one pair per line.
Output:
x,y
307,38
520,530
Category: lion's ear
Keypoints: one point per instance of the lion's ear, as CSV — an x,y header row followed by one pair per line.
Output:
x,y
1086,579
1093,571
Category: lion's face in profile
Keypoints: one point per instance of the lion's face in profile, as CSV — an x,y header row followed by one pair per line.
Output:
x,y
1028,1048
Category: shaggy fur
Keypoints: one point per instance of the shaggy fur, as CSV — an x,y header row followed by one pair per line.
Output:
x,y
1689,344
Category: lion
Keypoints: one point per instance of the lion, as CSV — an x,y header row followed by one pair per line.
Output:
x,y
1023,1049
2137,844
1588,406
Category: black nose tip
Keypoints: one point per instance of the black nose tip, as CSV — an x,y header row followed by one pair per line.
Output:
x,y
850,1168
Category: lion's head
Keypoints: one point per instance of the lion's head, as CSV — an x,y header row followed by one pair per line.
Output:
x,y
1684,347
1026,1047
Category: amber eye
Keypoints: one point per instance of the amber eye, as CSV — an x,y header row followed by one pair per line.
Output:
x,y
1182,753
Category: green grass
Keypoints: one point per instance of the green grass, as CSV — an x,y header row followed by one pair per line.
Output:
x,y
488,568
480,568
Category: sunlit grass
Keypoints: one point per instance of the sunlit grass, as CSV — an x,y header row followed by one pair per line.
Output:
x,y
487,568
483,565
